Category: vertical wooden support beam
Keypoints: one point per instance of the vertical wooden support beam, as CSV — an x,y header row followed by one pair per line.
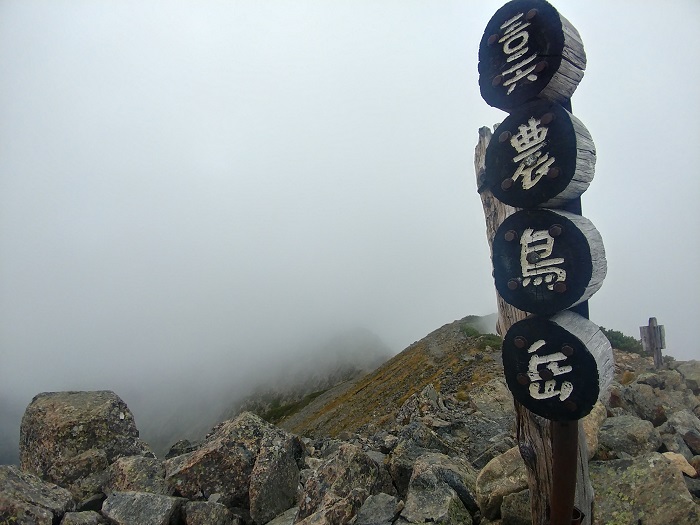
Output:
x,y
533,432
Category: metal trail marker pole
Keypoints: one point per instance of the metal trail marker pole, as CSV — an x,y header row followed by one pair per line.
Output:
x,y
548,259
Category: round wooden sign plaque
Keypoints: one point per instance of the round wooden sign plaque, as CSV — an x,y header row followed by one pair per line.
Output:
x,y
529,51
541,155
546,261
557,368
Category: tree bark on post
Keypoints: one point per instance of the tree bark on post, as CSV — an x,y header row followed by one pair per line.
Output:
x,y
533,432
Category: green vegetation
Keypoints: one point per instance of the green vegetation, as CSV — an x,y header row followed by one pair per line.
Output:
x,y
484,340
278,412
624,342
492,340
469,330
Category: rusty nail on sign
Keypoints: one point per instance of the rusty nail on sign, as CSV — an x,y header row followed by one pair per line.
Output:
x,y
523,379
556,230
513,284
532,13
560,287
520,342
567,350
552,173
510,235
507,184
493,39
547,119
541,66
505,136
497,80
570,405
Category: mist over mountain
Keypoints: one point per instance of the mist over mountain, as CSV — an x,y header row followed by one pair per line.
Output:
x,y
185,402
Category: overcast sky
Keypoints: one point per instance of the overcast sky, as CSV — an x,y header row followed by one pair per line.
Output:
x,y
200,185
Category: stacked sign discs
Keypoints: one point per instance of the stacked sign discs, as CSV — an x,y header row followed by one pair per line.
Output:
x,y
557,363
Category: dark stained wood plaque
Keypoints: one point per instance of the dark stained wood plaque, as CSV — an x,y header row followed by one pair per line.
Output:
x,y
529,51
541,155
546,261
559,367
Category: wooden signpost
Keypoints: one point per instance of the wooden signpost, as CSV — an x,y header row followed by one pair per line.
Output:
x,y
547,261
653,340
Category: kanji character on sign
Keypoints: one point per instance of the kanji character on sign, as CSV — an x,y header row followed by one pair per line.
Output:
x,y
536,261
546,390
515,46
528,143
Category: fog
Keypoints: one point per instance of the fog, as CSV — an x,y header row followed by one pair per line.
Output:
x,y
192,194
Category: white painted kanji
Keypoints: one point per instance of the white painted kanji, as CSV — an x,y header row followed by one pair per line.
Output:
x,y
543,268
548,389
533,163
514,40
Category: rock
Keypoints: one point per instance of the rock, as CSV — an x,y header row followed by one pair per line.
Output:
x,y
591,427
457,473
379,509
678,461
141,508
686,425
493,399
89,517
340,486
275,476
690,370
695,462
646,489
184,446
625,436
503,475
655,404
515,509
644,403
337,510
488,438
137,474
438,490
207,513
69,438
224,463
286,518
414,440
25,498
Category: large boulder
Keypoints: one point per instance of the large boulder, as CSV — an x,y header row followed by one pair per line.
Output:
x,y
138,474
441,490
379,509
503,475
142,508
208,513
70,438
591,428
647,489
25,498
89,517
414,440
335,492
225,464
275,476
625,436
690,370
685,425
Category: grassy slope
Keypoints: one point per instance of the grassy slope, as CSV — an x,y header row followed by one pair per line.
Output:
x,y
454,358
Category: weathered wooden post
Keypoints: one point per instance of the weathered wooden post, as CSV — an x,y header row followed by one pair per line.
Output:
x,y
546,261
653,340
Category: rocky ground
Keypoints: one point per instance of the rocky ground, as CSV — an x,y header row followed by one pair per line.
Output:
x,y
447,454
